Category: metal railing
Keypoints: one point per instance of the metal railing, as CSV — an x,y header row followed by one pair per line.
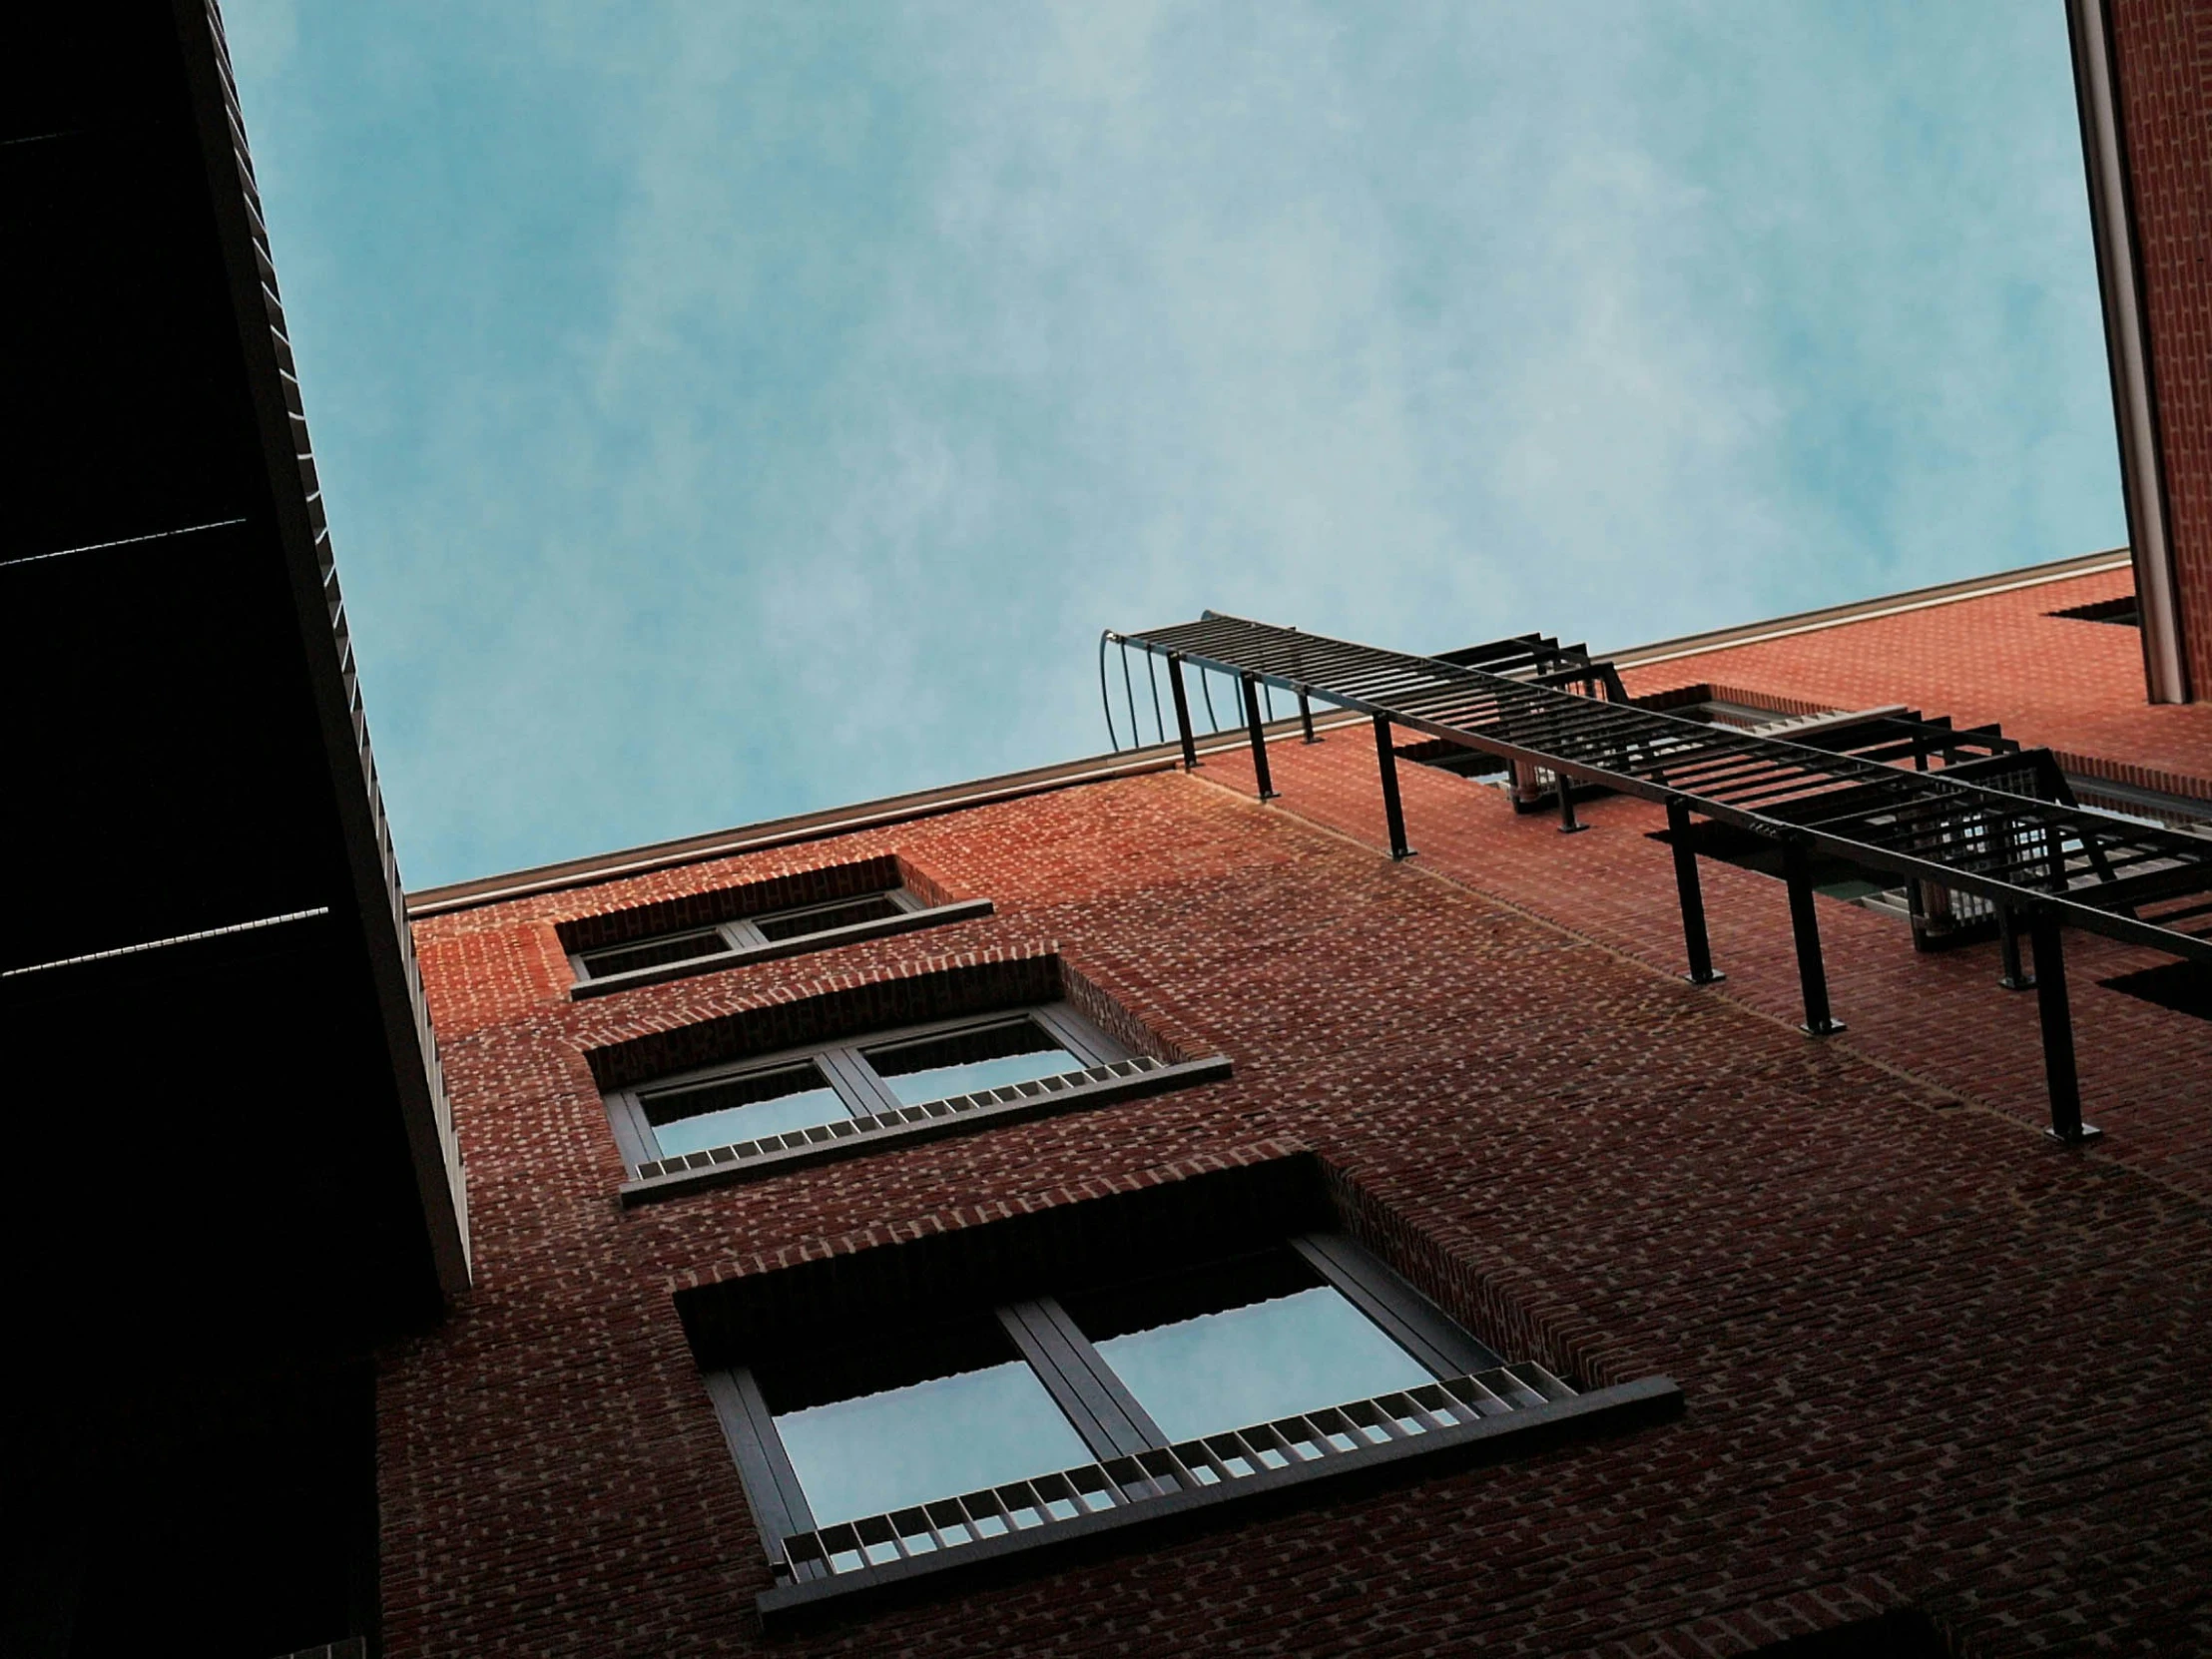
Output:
x,y
2104,874
2043,859
1313,1438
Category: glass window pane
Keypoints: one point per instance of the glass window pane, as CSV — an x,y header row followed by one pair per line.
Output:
x,y
1244,1344
969,1062
745,1108
628,958
894,1438
790,926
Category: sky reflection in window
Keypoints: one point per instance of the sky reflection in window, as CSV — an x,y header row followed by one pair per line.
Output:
x,y
940,1439
742,1108
1254,1363
967,1062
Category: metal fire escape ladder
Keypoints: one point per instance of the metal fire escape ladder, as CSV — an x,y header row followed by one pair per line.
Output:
x,y
2049,863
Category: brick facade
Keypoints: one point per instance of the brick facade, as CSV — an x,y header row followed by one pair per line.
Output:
x,y
1929,1360
2071,686
2163,55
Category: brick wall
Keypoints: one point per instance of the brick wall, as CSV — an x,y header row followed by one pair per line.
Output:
x,y
1929,1359
2164,62
2072,685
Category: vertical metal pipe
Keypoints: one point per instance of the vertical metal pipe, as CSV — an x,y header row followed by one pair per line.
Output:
x,y
1567,823
1692,894
2008,952
1306,717
1182,713
1806,925
1259,731
2128,350
2051,1003
1393,813
1129,692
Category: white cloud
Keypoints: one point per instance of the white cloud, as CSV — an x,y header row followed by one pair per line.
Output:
x,y
728,409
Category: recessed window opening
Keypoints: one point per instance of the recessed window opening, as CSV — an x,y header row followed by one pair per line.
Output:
x,y
2185,988
2125,611
756,921
866,1077
978,1422
749,933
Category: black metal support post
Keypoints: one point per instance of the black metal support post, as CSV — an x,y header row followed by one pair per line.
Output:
x,y
2059,1075
2008,952
1812,974
1306,717
1567,823
1259,732
1182,713
1394,812
1692,894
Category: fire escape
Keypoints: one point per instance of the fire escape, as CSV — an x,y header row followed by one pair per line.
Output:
x,y
1992,830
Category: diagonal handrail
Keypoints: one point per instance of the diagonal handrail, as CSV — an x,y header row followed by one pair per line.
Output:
x,y
2091,870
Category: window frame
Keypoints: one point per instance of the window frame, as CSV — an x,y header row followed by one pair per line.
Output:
x,y
739,935
845,1070
741,940
1097,1403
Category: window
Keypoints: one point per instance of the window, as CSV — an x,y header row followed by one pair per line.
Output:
x,y
674,952
2185,988
747,935
789,915
1083,1376
761,1103
896,1448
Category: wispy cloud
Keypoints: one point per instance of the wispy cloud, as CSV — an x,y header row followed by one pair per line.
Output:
x,y
732,408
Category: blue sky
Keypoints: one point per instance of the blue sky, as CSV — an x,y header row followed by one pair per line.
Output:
x,y
728,409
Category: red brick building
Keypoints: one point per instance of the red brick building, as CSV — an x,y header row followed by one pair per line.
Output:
x,y
1918,1361
1296,1202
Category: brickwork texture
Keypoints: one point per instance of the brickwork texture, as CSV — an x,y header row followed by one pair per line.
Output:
x,y
1930,1360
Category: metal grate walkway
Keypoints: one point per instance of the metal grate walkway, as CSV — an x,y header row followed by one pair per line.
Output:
x,y
2008,835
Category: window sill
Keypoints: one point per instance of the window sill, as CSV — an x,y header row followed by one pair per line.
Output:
x,y
937,915
1147,1521
855,1137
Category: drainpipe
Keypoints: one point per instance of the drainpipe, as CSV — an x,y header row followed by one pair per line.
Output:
x,y
2127,347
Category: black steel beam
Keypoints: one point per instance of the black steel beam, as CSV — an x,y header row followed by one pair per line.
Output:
x,y
1692,894
1805,924
2012,978
2052,1004
1393,813
1183,713
1259,733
